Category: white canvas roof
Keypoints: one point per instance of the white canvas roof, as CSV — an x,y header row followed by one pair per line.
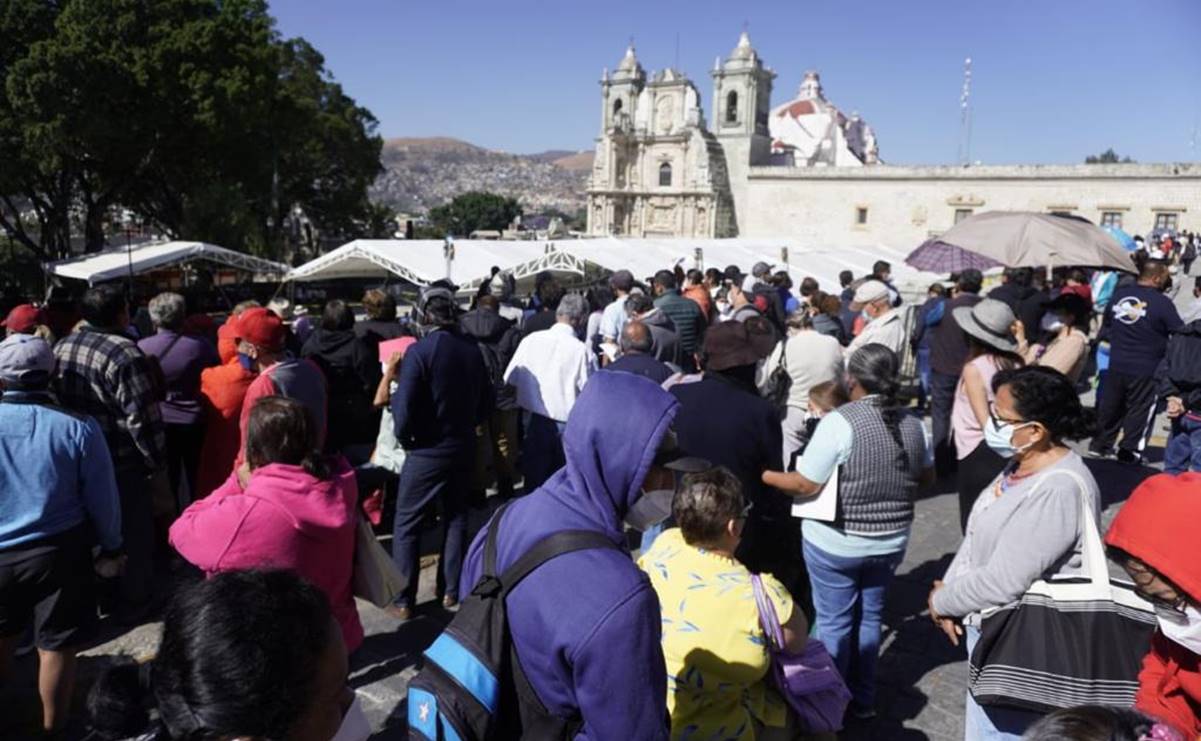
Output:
x,y
119,262
423,261
643,257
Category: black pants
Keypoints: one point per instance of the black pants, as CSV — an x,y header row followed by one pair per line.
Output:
x,y
426,479
976,472
183,459
1126,404
773,546
942,400
136,489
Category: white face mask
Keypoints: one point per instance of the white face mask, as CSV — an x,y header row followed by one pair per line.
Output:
x,y
999,437
1182,629
1051,323
354,724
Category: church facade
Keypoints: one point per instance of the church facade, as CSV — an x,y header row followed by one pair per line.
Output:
x,y
805,169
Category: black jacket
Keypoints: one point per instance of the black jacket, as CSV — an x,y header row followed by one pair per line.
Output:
x,y
352,372
1028,304
497,339
1182,376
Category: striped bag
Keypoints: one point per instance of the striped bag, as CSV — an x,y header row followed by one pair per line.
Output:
x,y
1068,641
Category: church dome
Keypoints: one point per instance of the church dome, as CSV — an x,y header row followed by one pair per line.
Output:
x,y
810,130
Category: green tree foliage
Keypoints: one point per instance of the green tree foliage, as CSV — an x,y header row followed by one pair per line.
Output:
x,y
1108,157
194,114
473,211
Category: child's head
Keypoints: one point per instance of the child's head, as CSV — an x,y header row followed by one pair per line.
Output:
x,y
1097,723
825,397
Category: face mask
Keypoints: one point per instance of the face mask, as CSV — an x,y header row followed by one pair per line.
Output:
x,y
1181,629
867,318
1000,438
1051,323
723,307
245,361
354,724
653,507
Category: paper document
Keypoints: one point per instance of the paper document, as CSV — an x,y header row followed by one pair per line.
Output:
x,y
824,506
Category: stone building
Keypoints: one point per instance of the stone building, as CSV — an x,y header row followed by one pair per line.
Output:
x,y
805,169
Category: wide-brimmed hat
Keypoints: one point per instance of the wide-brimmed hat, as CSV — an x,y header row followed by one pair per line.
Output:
x,y
989,321
728,345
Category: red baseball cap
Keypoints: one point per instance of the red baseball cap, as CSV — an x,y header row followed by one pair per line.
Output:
x,y
24,318
262,327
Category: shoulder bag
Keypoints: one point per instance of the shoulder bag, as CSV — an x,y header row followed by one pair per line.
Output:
x,y
1068,641
808,680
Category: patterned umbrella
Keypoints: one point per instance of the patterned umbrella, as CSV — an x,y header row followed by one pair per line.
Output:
x,y
1018,239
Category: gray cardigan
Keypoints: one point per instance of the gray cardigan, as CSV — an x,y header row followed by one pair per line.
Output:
x,y
1030,532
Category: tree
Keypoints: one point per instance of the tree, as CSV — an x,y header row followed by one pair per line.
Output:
x,y
194,114
473,211
1108,157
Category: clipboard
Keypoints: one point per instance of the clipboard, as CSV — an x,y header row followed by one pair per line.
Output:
x,y
824,506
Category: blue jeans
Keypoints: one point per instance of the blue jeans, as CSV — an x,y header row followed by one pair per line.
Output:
x,y
425,479
992,724
541,451
923,374
848,594
1184,446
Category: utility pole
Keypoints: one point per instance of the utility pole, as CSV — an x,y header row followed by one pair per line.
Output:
x,y
964,155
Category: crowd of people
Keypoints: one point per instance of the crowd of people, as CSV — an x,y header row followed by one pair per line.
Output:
x,y
690,410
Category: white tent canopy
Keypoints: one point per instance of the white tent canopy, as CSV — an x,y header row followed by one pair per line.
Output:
x,y
643,257
119,262
423,261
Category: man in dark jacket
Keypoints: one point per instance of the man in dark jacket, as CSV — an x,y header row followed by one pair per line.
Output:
x,y
948,353
665,342
586,625
1182,390
723,418
549,295
442,394
636,356
352,370
497,338
685,314
765,292
1027,302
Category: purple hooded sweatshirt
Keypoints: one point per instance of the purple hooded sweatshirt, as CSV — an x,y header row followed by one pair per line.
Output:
x,y
586,624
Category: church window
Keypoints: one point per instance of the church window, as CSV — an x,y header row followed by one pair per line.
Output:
x,y
732,107
617,106
665,174
961,214
1111,218
861,215
1167,220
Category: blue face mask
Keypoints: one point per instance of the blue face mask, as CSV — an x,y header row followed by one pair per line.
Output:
x,y
867,318
999,437
245,361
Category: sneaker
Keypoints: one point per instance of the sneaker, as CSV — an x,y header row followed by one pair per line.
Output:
x,y
1099,453
450,604
1129,457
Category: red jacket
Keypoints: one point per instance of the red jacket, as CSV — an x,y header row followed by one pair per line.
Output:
x,y
1158,526
285,518
222,390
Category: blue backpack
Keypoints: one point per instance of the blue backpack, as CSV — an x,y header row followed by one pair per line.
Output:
x,y
471,686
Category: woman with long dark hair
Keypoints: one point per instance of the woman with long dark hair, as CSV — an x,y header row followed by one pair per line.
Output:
x,y
288,507
881,457
989,327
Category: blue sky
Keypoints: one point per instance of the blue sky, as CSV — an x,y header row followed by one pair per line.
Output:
x,y
1053,80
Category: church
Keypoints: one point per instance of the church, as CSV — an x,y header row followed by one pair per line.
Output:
x,y
806,170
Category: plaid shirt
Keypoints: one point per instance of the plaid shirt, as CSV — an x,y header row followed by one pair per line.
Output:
x,y
105,375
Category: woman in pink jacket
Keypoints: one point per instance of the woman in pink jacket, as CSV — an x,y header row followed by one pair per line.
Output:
x,y
288,507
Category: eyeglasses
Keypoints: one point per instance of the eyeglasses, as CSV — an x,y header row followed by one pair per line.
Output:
x,y
998,420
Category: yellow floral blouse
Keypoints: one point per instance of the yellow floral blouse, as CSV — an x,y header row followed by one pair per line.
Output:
x,y
717,661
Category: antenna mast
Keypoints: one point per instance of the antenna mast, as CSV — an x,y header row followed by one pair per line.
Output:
x,y
964,155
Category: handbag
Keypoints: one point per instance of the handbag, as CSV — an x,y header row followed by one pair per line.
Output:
x,y
376,578
779,383
1068,641
808,681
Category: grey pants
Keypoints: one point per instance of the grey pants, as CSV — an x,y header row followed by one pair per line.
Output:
x,y
793,428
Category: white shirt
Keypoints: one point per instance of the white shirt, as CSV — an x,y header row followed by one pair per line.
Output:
x,y
549,370
614,319
887,330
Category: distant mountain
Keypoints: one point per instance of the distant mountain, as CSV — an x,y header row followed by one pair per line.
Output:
x,y
420,173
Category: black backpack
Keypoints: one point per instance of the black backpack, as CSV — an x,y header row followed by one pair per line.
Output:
x,y
471,685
